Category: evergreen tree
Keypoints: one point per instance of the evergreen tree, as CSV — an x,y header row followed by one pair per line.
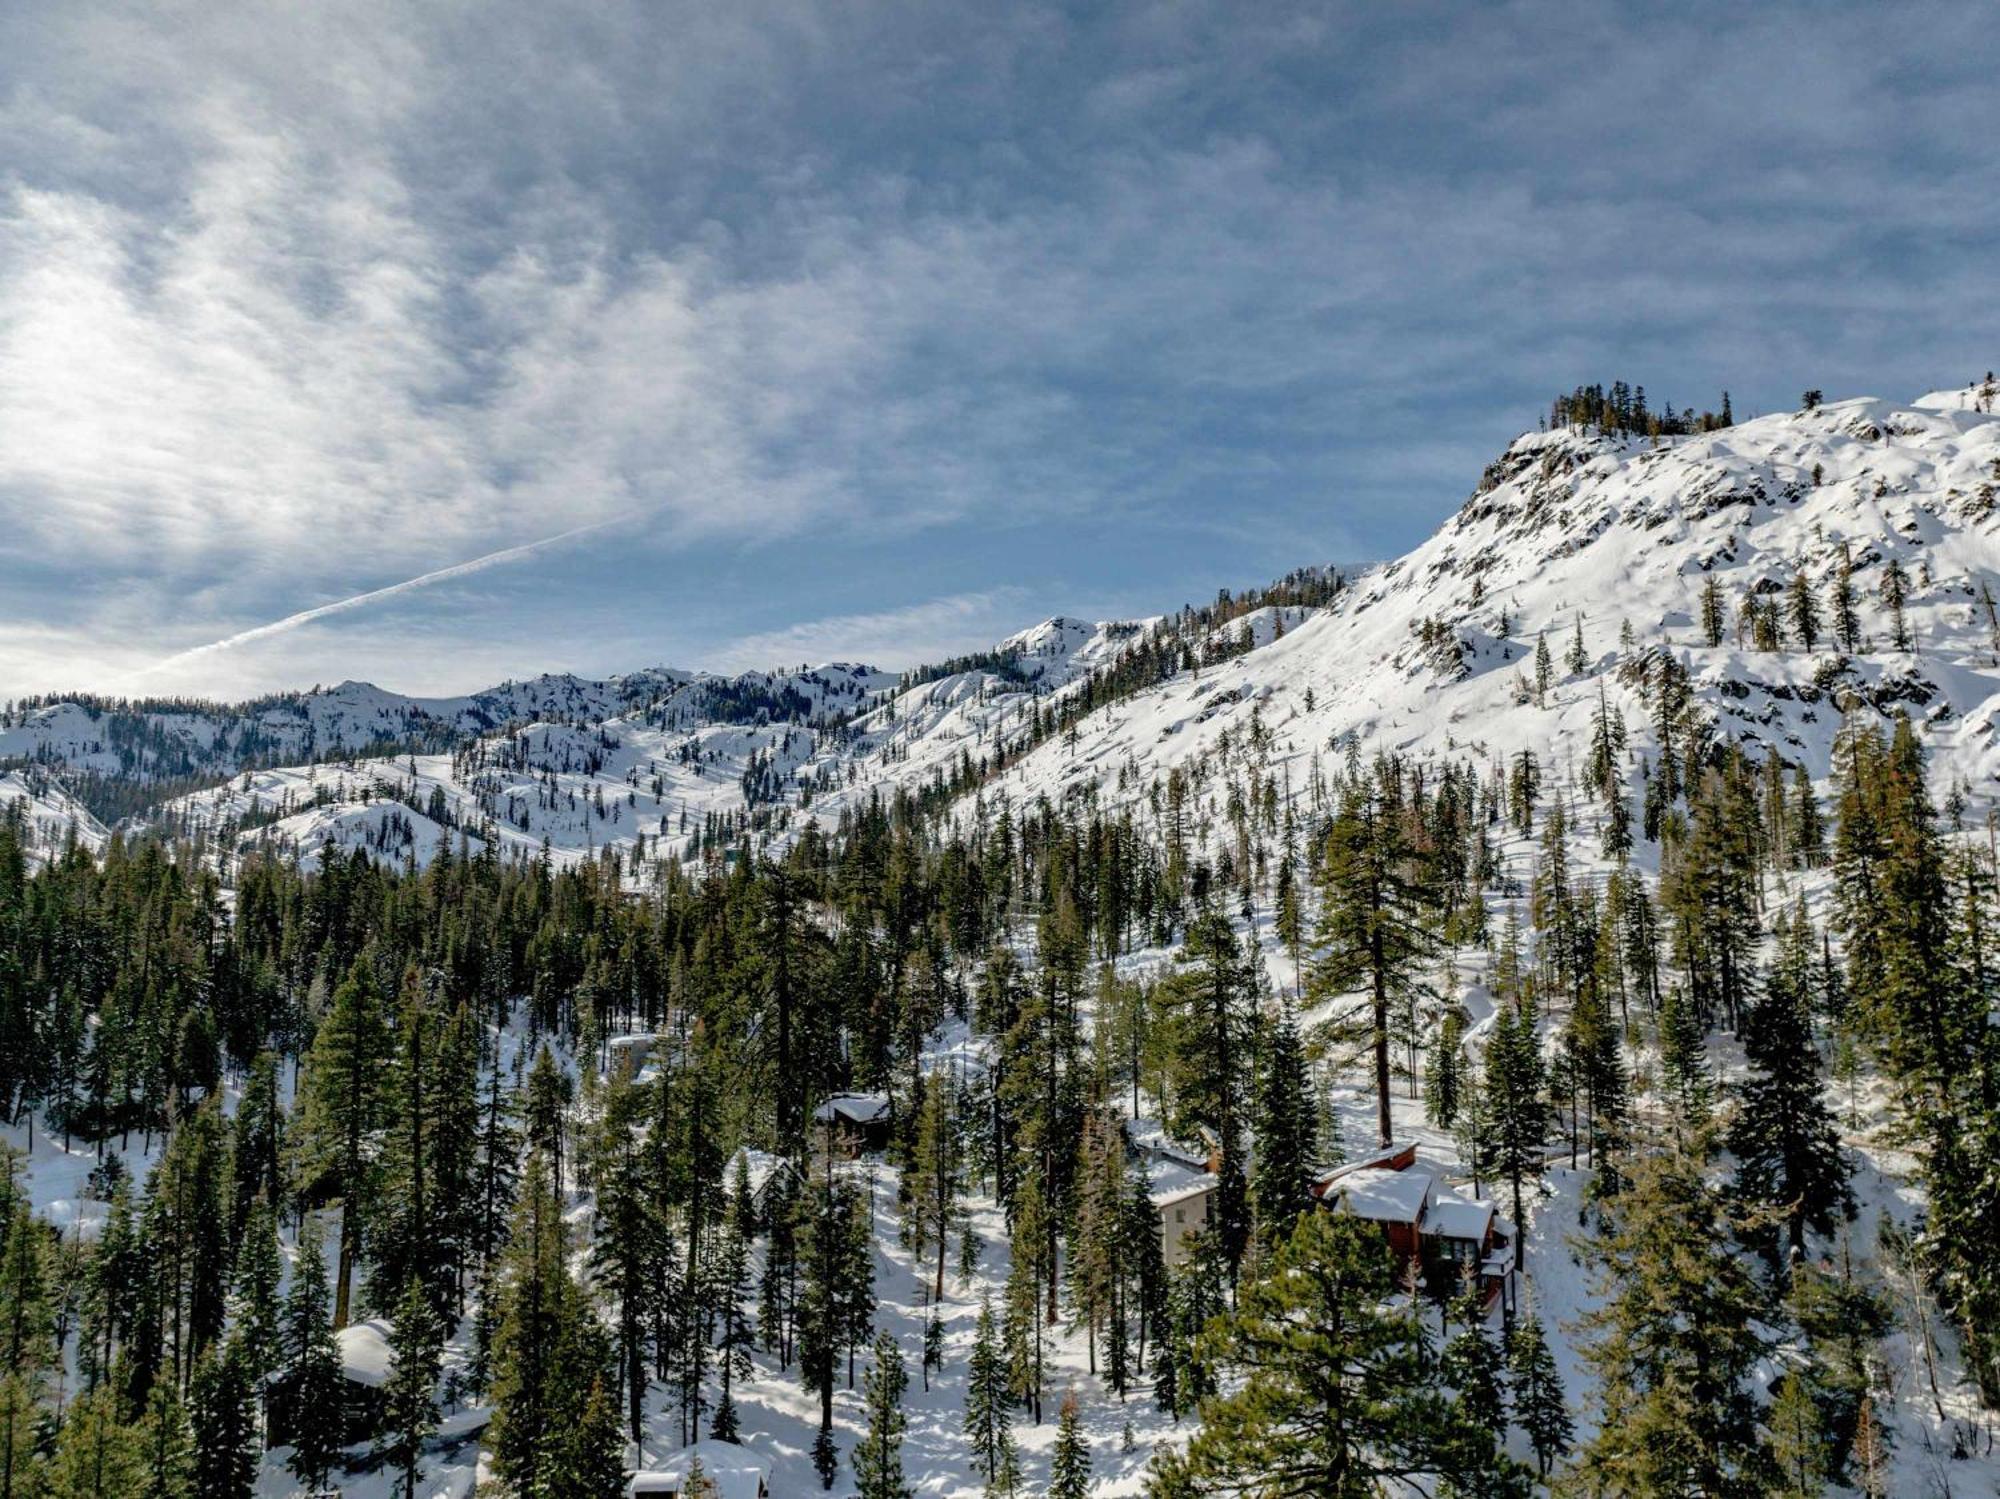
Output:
x,y
410,1408
1069,1465
1375,931
1539,1403
1443,1085
1802,610
1340,1395
1711,611
313,1365
1514,1103
1784,1138
223,1413
1673,1340
340,1108
988,1404
878,1457
168,1443
97,1455
1895,598
1798,1445
1287,1148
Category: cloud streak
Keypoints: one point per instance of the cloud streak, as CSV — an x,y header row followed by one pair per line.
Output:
x,y
373,596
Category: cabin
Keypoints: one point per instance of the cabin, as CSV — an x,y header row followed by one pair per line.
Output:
x,y
1182,1210
1181,1182
860,1120
727,1472
365,1362
1428,1224
630,1053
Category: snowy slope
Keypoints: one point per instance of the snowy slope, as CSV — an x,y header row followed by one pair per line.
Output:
x,y
50,816
1568,527
1429,654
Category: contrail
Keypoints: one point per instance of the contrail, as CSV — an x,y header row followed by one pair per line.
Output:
x,y
342,606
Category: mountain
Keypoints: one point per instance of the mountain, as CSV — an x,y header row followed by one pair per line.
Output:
x,y
1434,653
1571,529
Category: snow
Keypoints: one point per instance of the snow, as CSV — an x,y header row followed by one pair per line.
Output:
x,y
732,1471
1383,1196
1567,527
854,1108
365,1354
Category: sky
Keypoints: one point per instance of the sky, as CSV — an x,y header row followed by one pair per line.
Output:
x,y
439,343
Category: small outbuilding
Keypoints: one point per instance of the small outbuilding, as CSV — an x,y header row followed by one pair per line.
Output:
x,y
727,1471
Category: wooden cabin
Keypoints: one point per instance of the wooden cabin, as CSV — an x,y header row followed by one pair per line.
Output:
x,y
1448,1237
859,1120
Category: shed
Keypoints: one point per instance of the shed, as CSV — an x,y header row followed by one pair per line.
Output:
x,y
730,1473
632,1052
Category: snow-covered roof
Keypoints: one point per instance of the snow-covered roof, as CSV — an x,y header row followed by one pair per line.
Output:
x,y
1179,1187
733,1472
1455,1217
643,1040
854,1108
1383,1196
1384,1159
364,1351
1150,1136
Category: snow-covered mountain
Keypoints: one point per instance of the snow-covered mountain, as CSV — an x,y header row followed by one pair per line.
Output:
x,y
1434,653
1568,529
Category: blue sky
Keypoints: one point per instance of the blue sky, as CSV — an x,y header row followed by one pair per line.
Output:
x,y
879,331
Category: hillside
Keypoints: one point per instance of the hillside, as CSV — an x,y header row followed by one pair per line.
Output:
x,y
1568,531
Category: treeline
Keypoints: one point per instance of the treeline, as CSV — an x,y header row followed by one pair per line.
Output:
x,y
1622,409
454,1033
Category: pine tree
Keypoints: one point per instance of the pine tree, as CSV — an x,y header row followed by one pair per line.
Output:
x,y
1784,1138
1798,1445
1673,1341
988,1406
1545,669
1341,1396
735,1334
878,1457
1286,1128
1443,1085
97,1455
934,1180
1375,932
1802,611
1211,1020
1472,1364
168,1444
1846,621
340,1108
223,1414
1578,659
313,1364
1539,1403
1069,1465
1711,611
1684,1074
1514,1103
410,1409
1895,598
585,1456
